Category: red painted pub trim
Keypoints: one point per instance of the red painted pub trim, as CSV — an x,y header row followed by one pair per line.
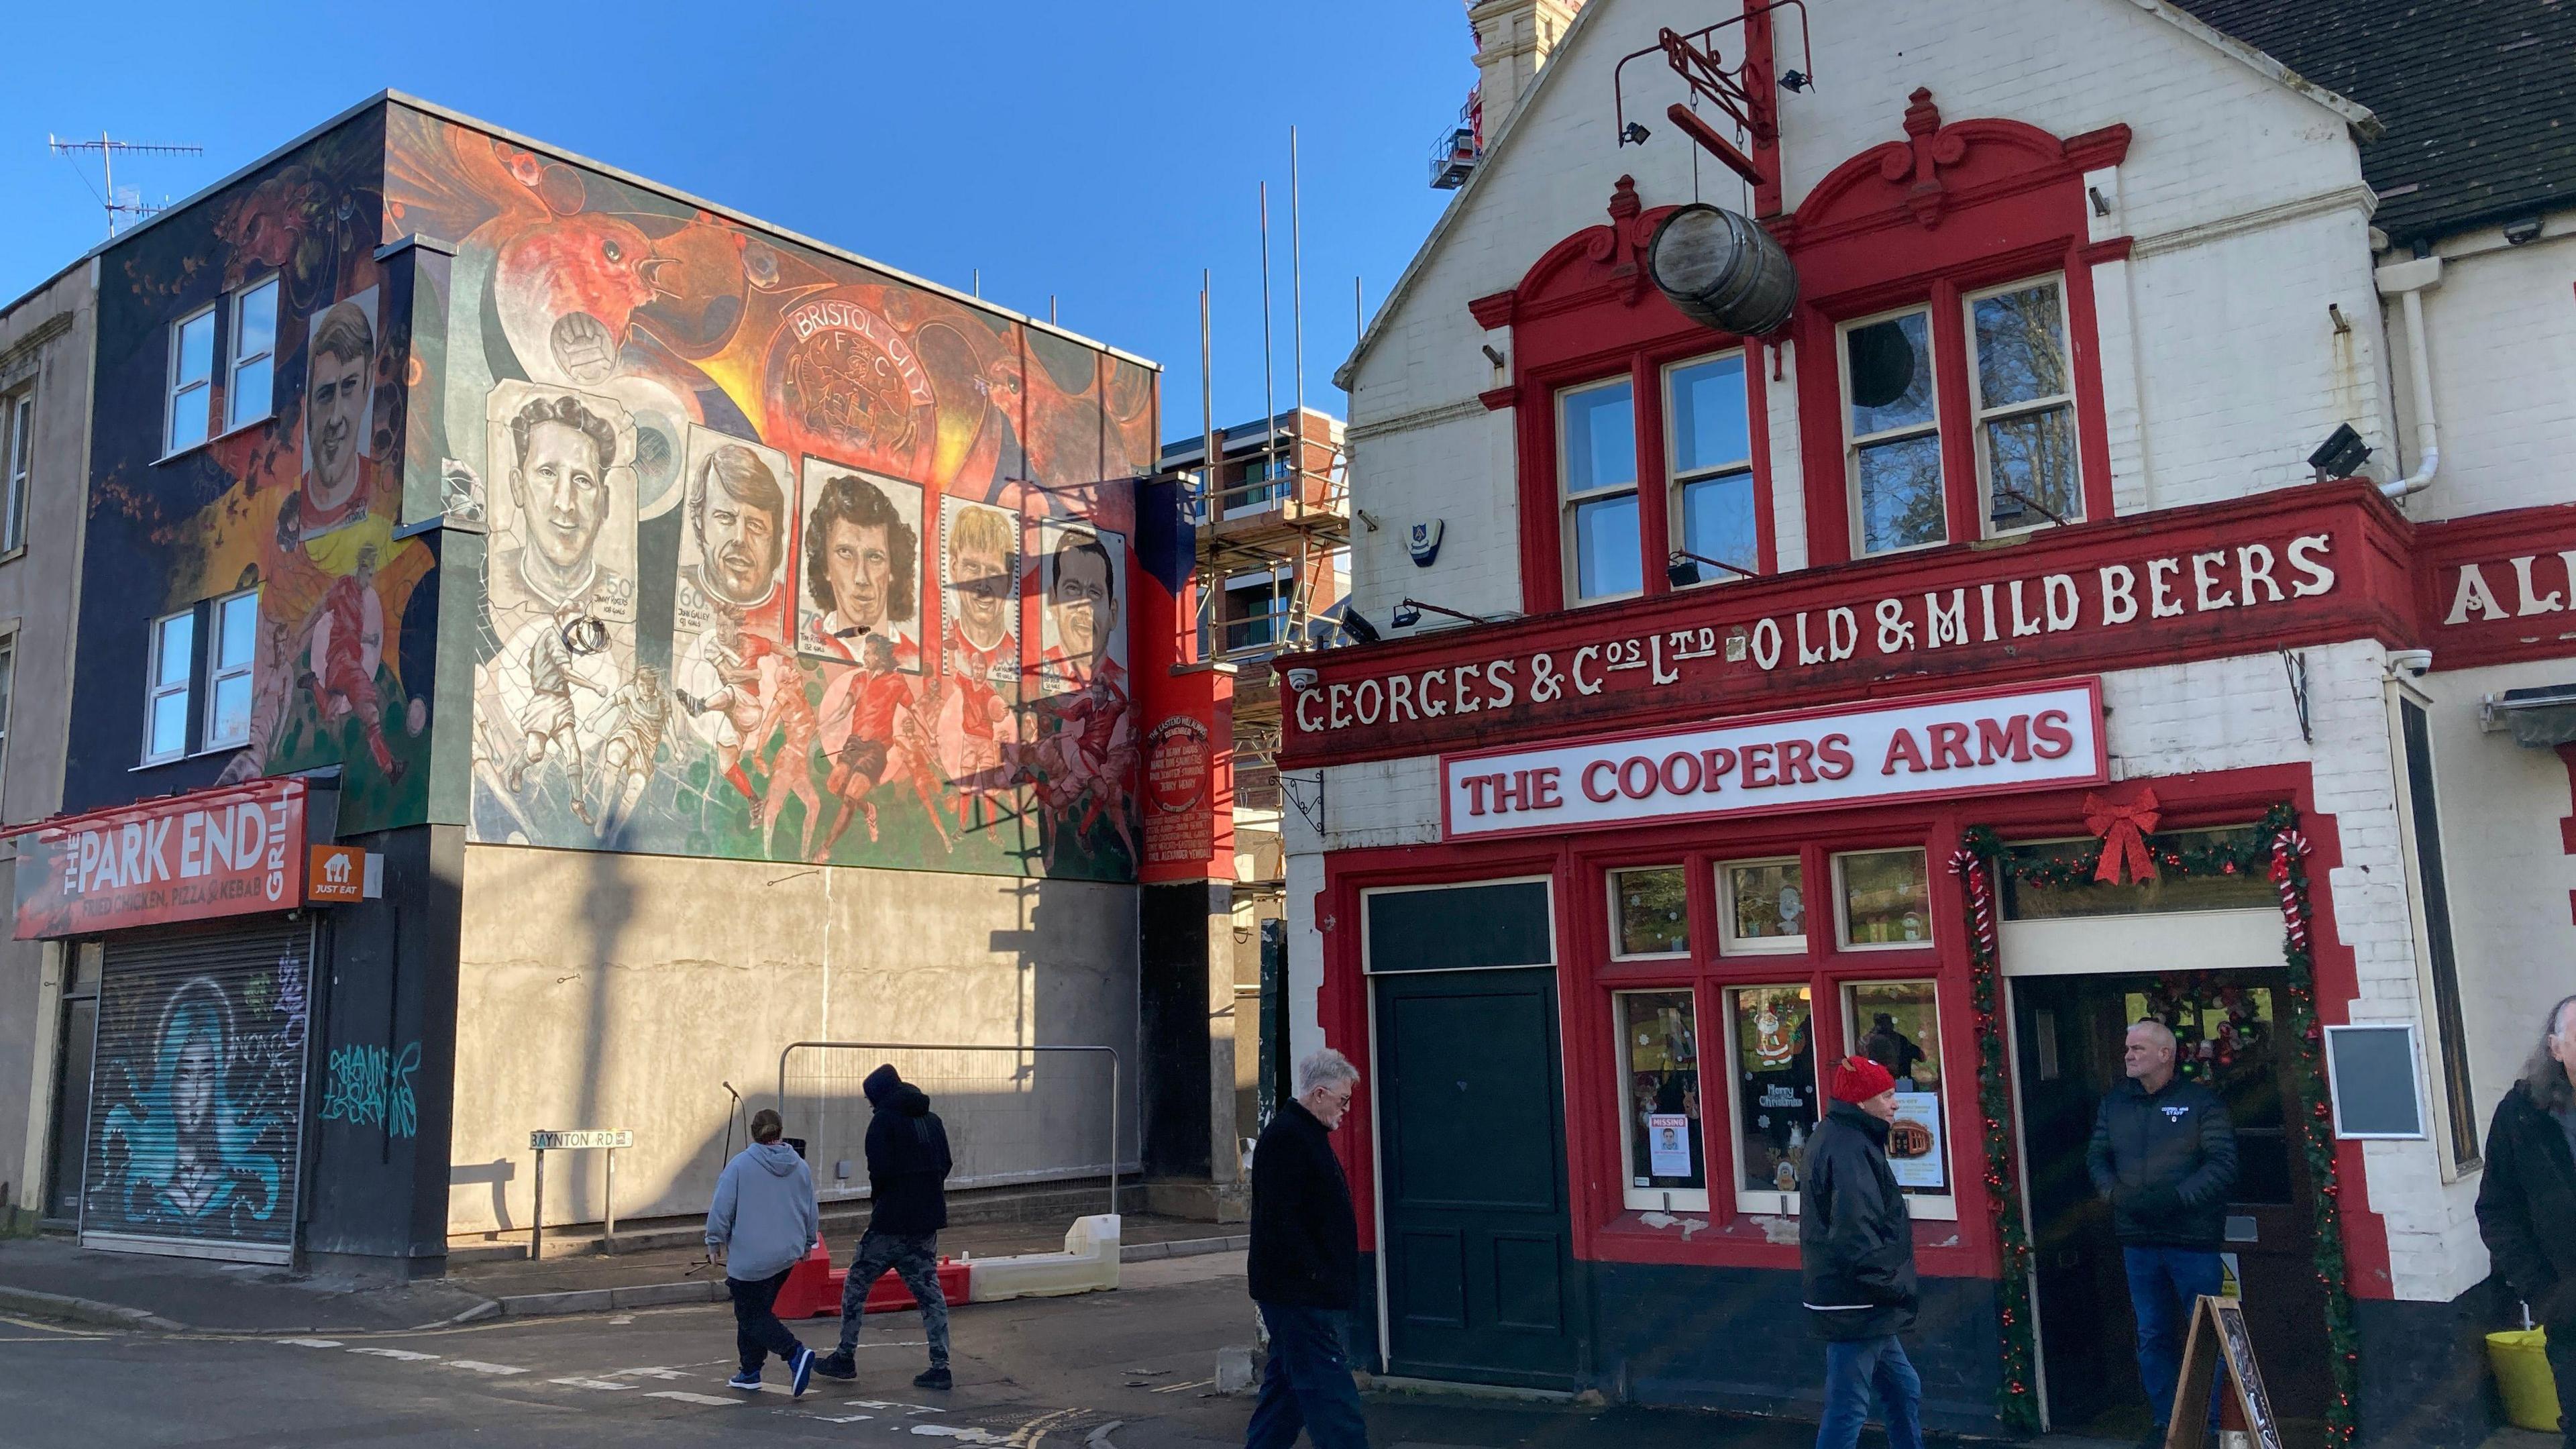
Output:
x,y
1604,1230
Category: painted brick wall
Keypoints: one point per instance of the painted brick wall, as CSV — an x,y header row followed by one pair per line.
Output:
x,y
2501,328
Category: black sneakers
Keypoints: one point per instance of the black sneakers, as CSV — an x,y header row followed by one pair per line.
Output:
x,y
837,1365
934,1377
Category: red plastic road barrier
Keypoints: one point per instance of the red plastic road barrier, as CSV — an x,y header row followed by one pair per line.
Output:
x,y
813,1288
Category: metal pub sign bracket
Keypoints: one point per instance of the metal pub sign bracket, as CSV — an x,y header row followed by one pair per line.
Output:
x,y
541,1143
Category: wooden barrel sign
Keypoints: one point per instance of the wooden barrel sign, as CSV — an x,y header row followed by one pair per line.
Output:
x,y
1722,270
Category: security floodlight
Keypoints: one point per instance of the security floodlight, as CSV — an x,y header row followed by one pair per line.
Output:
x,y
2340,455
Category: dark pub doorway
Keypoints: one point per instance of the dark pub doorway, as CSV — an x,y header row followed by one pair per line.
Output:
x,y
1477,1242
2232,1034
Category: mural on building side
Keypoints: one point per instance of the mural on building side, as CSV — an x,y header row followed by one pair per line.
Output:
x,y
787,559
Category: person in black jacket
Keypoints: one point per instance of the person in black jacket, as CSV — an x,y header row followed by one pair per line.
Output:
x,y
908,1165
2164,1156
1304,1265
1856,1256
2527,1197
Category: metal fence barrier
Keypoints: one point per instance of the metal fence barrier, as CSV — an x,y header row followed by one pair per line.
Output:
x,y
1013,1113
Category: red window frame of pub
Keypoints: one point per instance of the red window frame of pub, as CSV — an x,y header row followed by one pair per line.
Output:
x,y
1948,211
1585,313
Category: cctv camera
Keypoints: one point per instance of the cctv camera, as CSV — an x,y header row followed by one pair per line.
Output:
x,y
2418,662
1301,679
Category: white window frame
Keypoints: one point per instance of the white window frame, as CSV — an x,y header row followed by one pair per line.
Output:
x,y
1758,1201
181,389
154,690
1677,482
217,672
1569,502
1940,1205
1842,916
8,692
1663,1199
1610,893
18,463
237,362
1854,442
1980,414
1731,944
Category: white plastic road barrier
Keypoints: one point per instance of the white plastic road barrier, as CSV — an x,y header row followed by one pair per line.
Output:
x,y
1088,1264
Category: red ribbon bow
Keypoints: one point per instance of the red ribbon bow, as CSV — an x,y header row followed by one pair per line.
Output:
x,y
2124,829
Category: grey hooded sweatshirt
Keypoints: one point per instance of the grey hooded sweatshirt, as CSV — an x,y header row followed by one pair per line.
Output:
x,y
764,1212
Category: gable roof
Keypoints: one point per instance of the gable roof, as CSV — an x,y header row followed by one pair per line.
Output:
x,y
2183,19
2478,100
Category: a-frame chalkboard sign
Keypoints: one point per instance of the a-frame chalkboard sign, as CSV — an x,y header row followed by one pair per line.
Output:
x,y
2218,1337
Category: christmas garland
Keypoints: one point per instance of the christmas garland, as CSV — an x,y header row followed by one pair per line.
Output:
x,y
2279,851
2017,1400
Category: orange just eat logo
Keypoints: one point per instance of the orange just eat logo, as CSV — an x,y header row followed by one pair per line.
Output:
x,y
335,873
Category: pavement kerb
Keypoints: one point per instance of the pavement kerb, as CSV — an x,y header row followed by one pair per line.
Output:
x,y
650,1295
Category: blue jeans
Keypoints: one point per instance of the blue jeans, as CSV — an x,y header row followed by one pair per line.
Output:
x,y
1855,1370
2165,1284
1307,1384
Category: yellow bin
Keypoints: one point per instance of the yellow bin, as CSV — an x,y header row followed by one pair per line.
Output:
x,y
2522,1372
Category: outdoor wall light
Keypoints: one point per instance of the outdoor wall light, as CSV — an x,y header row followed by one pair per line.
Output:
x,y
1636,134
2340,455
1681,570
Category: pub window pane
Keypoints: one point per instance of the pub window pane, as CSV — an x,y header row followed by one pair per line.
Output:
x,y
1717,520
254,355
1709,425
1659,1054
2021,345
1897,1024
176,641
1775,1081
1606,560
1900,494
1600,438
169,725
1761,906
1886,898
192,370
2030,460
1891,374
1651,909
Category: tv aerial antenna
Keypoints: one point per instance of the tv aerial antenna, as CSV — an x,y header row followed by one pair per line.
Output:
x,y
108,149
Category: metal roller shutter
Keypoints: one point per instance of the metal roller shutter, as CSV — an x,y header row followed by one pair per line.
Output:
x,y
197,1093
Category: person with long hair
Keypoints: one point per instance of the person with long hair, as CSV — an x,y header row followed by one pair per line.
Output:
x,y
2527,1196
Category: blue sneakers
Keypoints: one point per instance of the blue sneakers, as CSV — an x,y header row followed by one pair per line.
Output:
x,y
801,1368
747,1382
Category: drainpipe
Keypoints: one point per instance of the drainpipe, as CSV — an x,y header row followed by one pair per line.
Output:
x,y
2406,281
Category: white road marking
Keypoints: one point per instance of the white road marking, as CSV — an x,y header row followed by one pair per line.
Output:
x,y
1099,1438
496,1370
580,1383
892,1404
962,1435
694,1398
650,1373
311,1342
402,1355
1177,1388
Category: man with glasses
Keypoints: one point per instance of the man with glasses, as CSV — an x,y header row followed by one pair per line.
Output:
x,y
1304,1265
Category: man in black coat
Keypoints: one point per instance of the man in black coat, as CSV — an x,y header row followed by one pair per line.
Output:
x,y
908,1166
1856,1255
1304,1265
2527,1197
2164,1156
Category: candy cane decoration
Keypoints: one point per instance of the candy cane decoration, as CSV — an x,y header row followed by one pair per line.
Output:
x,y
1971,870
2288,846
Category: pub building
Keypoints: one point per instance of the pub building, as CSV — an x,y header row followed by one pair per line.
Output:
x,y
1931,541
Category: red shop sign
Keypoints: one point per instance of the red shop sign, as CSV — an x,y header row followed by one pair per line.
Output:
x,y
222,852
1987,742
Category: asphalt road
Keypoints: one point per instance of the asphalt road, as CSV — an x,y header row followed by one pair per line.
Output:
x,y
1124,1370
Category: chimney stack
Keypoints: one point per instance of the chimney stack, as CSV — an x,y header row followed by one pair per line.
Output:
x,y
1514,39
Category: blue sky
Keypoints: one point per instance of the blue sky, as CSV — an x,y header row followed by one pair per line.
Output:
x,y
1100,152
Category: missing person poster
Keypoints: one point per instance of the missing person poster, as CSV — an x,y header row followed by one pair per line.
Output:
x,y
1668,1144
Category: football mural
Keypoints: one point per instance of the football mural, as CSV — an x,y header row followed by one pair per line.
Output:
x,y
755,552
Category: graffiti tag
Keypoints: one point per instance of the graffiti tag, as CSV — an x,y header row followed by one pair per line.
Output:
x,y
370,1086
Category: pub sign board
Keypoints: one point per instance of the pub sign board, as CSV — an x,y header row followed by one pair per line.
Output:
x,y
1986,742
2300,566
230,851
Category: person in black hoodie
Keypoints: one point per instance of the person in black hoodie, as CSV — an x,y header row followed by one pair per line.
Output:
x,y
2527,1197
1304,1265
1856,1256
2164,1156
908,1166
